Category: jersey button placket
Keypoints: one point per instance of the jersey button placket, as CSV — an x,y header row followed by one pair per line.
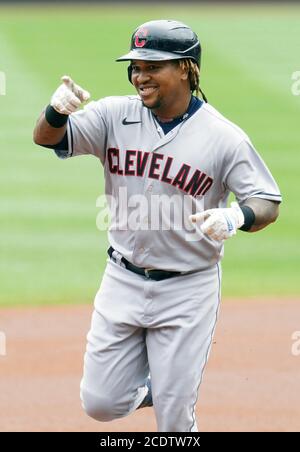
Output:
x,y
141,235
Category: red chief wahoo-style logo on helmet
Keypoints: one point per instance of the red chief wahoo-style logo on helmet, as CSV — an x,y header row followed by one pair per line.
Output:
x,y
141,37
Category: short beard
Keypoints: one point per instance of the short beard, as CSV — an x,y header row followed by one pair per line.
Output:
x,y
153,107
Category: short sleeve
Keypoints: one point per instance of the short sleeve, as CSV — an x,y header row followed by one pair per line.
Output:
x,y
87,132
246,175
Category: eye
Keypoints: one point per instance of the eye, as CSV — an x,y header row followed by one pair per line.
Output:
x,y
134,67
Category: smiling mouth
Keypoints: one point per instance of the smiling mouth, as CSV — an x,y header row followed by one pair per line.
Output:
x,y
147,91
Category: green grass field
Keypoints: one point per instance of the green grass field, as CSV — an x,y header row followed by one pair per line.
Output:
x,y
51,250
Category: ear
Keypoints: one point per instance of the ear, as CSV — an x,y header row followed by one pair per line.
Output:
x,y
185,75
129,72
184,72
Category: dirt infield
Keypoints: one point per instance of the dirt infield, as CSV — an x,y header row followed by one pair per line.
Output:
x,y
251,383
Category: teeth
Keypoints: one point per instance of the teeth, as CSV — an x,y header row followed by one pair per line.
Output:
x,y
148,90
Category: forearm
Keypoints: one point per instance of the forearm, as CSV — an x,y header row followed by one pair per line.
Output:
x,y
265,211
45,134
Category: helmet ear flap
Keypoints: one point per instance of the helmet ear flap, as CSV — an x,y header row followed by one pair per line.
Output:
x,y
129,72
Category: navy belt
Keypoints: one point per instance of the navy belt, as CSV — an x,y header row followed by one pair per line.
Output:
x,y
157,275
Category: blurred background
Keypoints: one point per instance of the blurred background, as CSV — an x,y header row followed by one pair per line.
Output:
x,y
50,248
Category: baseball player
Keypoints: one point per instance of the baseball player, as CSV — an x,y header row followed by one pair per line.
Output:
x,y
177,159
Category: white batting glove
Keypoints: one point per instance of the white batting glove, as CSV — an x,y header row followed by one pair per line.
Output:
x,y
68,96
220,224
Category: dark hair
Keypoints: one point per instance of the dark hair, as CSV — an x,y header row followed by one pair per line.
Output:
x,y
194,75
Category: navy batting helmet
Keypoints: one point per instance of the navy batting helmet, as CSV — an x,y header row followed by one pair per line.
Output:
x,y
160,40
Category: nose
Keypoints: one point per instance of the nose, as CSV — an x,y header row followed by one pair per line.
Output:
x,y
142,76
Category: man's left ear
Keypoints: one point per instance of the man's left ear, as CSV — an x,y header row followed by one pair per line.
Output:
x,y
185,74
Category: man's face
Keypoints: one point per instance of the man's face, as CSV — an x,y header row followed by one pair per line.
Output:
x,y
159,83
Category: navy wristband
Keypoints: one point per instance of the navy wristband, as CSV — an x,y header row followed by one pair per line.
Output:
x,y
54,118
249,216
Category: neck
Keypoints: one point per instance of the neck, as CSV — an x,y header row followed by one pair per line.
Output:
x,y
161,119
170,115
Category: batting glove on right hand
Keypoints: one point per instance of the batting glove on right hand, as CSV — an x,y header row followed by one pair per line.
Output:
x,y
220,224
68,96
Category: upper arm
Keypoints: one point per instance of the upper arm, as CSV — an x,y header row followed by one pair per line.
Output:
x,y
247,176
87,132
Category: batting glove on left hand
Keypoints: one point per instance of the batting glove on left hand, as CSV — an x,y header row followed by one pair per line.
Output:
x,y
220,224
68,96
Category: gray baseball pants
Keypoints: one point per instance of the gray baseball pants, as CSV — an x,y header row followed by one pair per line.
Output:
x,y
141,326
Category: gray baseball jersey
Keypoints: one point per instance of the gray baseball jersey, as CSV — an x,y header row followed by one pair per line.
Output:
x,y
195,166
153,182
